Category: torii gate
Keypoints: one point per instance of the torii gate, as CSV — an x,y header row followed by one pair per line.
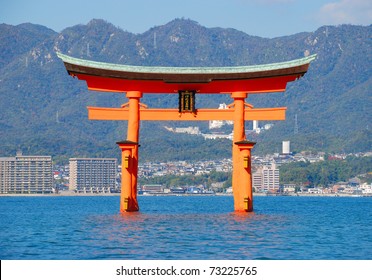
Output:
x,y
187,82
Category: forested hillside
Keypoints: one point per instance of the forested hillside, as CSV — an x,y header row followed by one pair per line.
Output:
x,y
43,110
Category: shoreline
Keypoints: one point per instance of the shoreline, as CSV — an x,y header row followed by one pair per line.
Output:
x,y
63,194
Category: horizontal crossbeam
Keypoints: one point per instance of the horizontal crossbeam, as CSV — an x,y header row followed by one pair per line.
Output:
x,y
120,114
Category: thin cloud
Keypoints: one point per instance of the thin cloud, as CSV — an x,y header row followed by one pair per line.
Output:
x,y
267,2
346,12
276,1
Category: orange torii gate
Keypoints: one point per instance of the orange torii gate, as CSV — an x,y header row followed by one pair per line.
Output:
x,y
187,82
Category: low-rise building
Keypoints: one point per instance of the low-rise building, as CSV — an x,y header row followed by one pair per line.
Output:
x,y
152,189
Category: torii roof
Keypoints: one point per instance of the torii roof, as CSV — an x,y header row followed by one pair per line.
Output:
x,y
152,79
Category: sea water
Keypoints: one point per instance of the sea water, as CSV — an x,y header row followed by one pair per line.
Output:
x,y
185,227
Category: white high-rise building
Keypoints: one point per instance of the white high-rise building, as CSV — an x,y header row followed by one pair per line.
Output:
x,y
257,183
286,147
92,175
26,174
266,178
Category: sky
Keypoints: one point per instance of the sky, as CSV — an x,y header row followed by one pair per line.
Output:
x,y
264,18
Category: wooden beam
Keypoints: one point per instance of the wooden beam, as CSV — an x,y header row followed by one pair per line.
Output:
x,y
121,114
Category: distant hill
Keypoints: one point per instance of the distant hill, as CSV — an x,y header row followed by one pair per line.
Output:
x,y
43,110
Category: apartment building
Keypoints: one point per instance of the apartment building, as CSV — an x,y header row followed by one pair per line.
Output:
x,y
92,175
266,178
26,174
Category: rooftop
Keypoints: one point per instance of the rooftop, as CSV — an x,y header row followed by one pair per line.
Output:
x,y
103,76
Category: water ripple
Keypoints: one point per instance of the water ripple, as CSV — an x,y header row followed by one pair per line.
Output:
x,y
185,228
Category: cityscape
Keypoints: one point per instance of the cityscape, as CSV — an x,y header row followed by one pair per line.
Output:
x,y
101,176
30,174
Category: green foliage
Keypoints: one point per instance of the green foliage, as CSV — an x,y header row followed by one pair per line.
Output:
x,y
187,180
162,146
326,172
43,110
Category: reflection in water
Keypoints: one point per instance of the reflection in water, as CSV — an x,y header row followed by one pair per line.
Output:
x,y
185,228
182,236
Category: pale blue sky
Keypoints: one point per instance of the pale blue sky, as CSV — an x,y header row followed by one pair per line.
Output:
x,y
265,18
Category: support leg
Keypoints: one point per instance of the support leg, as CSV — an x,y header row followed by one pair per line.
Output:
x,y
245,175
241,181
128,198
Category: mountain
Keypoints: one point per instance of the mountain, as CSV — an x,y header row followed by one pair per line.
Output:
x,y
15,41
43,110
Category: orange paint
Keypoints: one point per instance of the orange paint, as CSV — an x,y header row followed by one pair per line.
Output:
x,y
252,80
261,85
128,195
239,135
239,112
129,162
121,114
244,202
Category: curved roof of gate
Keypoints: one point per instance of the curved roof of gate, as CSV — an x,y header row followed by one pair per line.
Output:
x,y
184,75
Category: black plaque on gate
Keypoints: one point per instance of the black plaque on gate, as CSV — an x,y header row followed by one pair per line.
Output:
x,y
186,101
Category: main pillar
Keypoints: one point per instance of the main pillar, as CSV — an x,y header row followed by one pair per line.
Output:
x,y
245,175
128,194
128,200
239,183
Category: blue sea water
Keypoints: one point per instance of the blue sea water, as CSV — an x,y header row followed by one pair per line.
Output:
x,y
192,227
